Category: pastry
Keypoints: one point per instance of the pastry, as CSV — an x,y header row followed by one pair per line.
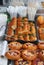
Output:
x,y
38,62
10,32
15,37
30,46
19,20
41,33
29,55
40,20
15,45
41,55
26,37
13,23
20,37
13,54
41,46
22,62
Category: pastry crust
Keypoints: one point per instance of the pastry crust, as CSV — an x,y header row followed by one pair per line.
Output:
x,y
41,46
13,54
15,45
22,62
30,46
29,55
13,23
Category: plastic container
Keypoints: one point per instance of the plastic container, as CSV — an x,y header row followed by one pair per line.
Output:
x,y
40,12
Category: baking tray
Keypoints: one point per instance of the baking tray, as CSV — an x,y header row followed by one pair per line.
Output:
x,y
22,41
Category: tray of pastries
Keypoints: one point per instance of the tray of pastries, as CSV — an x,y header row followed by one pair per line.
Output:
x,y
21,29
25,54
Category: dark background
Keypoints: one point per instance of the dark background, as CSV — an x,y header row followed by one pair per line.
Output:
x,y
1,2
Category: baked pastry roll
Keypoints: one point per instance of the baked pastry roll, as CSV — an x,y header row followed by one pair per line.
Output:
x,y
29,55
13,54
15,45
30,46
40,20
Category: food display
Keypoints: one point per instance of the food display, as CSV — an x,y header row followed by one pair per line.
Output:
x,y
24,35
40,27
21,29
22,54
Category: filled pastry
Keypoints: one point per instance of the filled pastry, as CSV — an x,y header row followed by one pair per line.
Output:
x,y
13,54
29,55
15,45
22,62
30,46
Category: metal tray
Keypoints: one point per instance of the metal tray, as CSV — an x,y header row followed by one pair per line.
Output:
x,y
22,41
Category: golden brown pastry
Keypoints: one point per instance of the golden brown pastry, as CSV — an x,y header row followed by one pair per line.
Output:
x,y
19,20
13,54
26,37
41,33
41,46
30,46
13,23
38,62
26,26
10,32
40,20
41,55
20,37
29,55
33,30
15,45
33,37
22,62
